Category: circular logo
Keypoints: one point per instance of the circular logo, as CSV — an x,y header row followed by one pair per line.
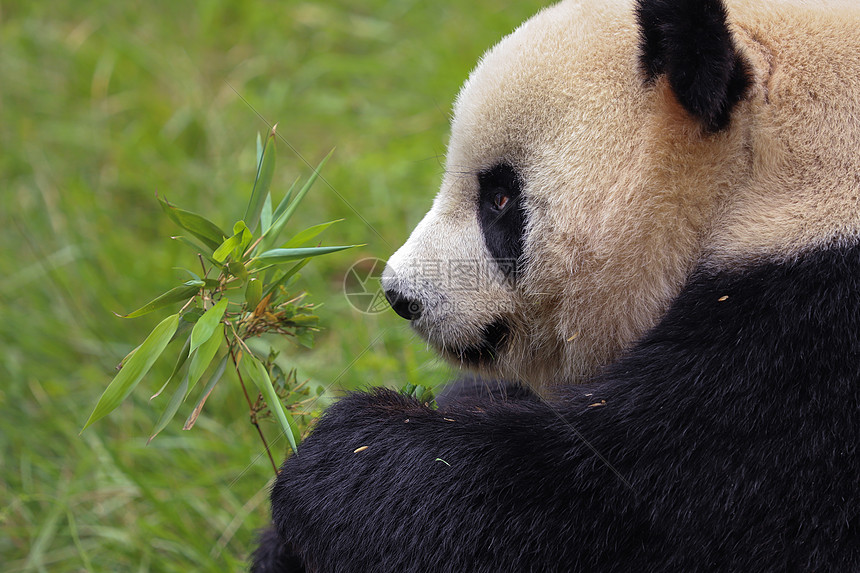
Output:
x,y
362,286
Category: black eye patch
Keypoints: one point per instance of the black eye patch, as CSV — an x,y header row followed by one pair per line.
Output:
x,y
501,214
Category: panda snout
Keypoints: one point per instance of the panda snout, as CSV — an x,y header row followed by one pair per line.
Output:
x,y
408,308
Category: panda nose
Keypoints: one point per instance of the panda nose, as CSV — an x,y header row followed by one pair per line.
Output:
x,y
406,307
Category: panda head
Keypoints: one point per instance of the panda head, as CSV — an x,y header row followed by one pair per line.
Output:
x,y
598,156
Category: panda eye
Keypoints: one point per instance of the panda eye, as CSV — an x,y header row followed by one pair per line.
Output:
x,y
502,215
500,201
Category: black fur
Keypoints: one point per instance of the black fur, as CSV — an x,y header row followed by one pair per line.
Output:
x,y
725,440
503,230
471,389
690,42
273,556
494,338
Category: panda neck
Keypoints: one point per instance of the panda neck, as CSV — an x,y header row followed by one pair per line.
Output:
x,y
764,328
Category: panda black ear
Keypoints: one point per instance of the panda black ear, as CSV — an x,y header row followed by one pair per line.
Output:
x,y
690,42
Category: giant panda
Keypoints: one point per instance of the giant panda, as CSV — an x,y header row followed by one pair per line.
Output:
x,y
662,202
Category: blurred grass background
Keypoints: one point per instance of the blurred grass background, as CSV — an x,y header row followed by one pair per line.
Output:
x,y
104,103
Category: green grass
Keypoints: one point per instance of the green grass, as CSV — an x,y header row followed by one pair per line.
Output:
x,y
103,104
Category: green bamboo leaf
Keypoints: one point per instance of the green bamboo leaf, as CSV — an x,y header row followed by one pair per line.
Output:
x,y
266,214
176,294
183,356
253,293
127,356
305,338
196,247
238,270
308,234
236,244
281,220
285,202
286,255
186,322
241,228
305,320
171,409
219,372
135,369
192,274
197,225
262,183
191,315
203,357
286,276
254,369
228,246
206,324
259,150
